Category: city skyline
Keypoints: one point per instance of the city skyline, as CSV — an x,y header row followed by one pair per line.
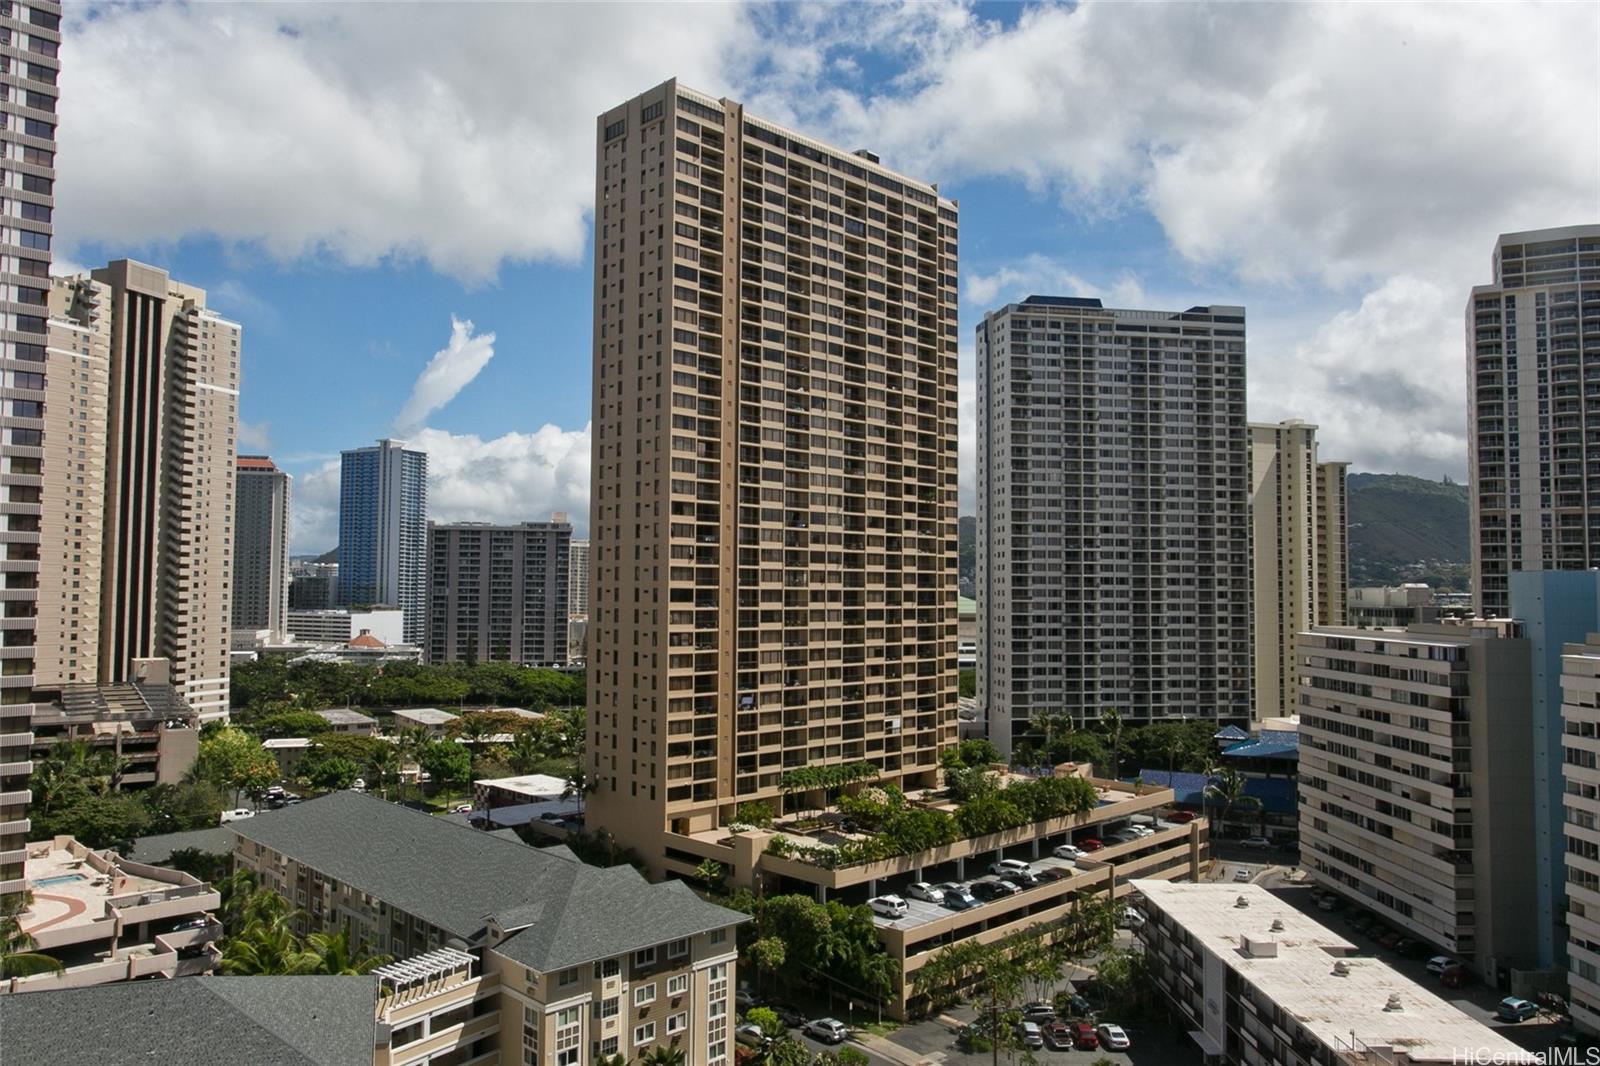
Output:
x,y
1140,210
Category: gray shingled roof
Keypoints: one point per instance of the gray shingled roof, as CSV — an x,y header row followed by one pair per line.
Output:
x,y
456,878
199,1021
156,850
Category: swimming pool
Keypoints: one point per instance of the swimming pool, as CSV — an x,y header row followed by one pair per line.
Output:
x,y
62,879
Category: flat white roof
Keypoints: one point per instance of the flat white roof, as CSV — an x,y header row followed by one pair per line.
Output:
x,y
286,742
542,785
346,716
425,715
1299,977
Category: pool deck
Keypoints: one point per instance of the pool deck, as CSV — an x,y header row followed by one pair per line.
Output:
x,y
77,902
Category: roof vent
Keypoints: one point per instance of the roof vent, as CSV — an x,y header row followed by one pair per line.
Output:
x,y
1394,1002
869,156
1277,925
1341,969
1241,903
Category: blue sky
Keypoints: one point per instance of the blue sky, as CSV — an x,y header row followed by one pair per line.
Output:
x,y
347,180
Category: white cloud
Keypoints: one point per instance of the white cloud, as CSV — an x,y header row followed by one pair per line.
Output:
x,y
254,437
1037,274
456,133
451,369
517,477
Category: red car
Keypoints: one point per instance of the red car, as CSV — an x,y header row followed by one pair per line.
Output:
x,y
1084,1036
1091,844
1181,817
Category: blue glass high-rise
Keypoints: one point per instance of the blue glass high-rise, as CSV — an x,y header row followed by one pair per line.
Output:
x,y
383,531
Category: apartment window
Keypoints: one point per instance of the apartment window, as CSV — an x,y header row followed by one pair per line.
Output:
x,y
646,957
608,1046
644,994
567,977
677,1023
643,1034
719,936
607,968
678,985
608,1008
678,949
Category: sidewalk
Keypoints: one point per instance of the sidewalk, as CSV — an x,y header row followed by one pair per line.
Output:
x,y
888,1049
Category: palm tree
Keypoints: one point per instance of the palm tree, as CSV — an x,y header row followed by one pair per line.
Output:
x,y
335,956
662,1056
410,743
1226,786
1111,722
17,957
384,767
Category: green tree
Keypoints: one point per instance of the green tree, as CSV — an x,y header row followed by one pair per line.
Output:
x,y
17,957
265,943
447,763
772,1026
202,865
1226,787
967,683
291,723
710,873
757,813
1112,725
787,1051
335,956
767,955
662,1055
232,759
332,774
108,821
179,808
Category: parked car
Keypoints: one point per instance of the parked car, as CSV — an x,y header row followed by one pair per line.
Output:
x,y
1181,817
1067,851
888,906
1130,919
1038,1012
1258,843
1112,1037
1456,975
1141,830
1389,938
988,891
1045,877
1028,1035
1512,1009
1329,903
788,1014
827,1030
925,892
1076,1005
238,814
743,1000
750,1035
1241,875
956,897
1057,1036
1011,869
464,808
1091,844
1084,1038
193,923
1407,948
1126,836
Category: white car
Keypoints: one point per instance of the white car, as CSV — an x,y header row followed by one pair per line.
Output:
x,y
1141,830
888,906
1439,963
238,814
1131,919
1112,1037
827,1030
1067,851
925,892
1241,876
1007,868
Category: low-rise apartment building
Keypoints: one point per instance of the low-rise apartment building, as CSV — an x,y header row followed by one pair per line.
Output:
x,y
1580,718
346,720
145,722
105,919
523,955
1262,984
1415,770
804,855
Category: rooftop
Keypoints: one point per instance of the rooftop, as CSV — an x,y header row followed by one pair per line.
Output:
x,y
536,786
424,715
558,913
73,886
157,850
1296,971
303,1020
346,716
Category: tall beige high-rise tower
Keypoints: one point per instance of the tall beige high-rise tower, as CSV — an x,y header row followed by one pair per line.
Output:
x,y
1297,514
773,519
261,546
30,42
144,563
1530,333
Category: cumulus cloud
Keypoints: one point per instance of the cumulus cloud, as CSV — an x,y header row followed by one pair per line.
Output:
x,y
451,369
254,436
516,477
458,134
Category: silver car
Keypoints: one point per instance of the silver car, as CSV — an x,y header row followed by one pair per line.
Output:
x,y
827,1030
925,892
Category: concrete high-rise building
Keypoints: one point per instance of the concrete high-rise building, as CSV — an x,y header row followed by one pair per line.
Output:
x,y
383,531
77,407
773,518
29,46
261,546
1113,555
1533,476
1580,715
1415,762
498,592
312,586
1297,550
166,592
578,578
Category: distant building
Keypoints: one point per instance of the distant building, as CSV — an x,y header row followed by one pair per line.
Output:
x,y
1415,763
312,585
345,720
144,722
340,625
383,531
430,718
1297,552
1256,980
1580,716
1528,351
1113,547
578,578
261,546
498,592
1391,608
106,919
